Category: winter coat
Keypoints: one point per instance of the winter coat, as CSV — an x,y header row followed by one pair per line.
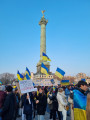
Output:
x,y
41,106
61,98
2,98
8,109
67,93
25,103
54,104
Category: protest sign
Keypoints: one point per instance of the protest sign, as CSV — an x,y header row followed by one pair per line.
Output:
x,y
35,89
26,86
52,81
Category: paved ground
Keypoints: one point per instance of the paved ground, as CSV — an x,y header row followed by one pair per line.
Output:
x,y
46,117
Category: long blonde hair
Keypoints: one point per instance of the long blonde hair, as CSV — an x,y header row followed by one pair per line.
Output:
x,y
88,107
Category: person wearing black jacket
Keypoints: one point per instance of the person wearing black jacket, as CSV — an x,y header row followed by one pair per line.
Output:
x,y
8,109
27,101
53,98
41,103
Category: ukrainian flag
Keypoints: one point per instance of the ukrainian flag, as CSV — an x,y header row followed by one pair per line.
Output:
x,y
80,101
73,83
60,73
44,69
27,74
27,77
65,82
0,83
83,80
45,57
20,76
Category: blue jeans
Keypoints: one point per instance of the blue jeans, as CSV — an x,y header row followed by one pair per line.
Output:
x,y
0,116
60,115
28,117
40,117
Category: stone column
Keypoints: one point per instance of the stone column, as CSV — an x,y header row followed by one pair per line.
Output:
x,y
43,23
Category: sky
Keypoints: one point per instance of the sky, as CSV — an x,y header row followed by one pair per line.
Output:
x,y
67,35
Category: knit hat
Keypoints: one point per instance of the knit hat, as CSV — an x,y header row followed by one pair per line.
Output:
x,y
9,88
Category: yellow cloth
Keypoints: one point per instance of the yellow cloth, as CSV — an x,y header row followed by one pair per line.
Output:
x,y
79,114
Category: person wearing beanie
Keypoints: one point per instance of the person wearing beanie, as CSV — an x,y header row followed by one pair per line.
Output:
x,y
8,108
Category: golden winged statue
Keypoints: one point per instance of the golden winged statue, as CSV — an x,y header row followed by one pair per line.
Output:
x,y
43,12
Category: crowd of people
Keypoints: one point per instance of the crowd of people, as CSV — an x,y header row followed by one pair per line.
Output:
x,y
58,101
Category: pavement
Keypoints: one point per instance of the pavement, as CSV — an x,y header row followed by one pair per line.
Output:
x,y
46,117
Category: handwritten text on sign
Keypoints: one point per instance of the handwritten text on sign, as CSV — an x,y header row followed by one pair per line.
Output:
x,y
26,86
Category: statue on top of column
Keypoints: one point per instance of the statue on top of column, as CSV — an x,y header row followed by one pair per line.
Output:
x,y
43,12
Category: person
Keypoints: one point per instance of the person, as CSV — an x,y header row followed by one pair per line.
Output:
x,y
79,100
50,104
34,103
88,106
67,93
62,103
8,109
27,102
41,103
54,106
2,97
17,95
70,100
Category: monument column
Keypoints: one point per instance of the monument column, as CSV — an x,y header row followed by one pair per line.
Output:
x,y
43,22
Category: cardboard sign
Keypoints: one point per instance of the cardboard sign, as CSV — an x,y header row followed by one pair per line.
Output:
x,y
26,86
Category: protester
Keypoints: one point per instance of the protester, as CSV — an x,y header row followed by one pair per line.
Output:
x,y
41,103
8,109
17,95
2,97
34,104
22,106
53,98
27,101
62,102
88,106
50,103
67,93
79,100
70,100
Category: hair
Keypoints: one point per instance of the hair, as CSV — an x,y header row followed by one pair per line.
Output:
x,y
9,88
88,106
60,89
40,88
81,83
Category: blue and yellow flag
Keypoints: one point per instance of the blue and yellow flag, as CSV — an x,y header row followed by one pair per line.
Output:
x,y
45,57
73,83
27,74
0,83
44,69
20,76
60,73
80,101
65,82
83,80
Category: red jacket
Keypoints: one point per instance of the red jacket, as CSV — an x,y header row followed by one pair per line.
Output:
x,y
2,98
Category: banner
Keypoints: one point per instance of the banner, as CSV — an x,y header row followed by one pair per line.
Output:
x,y
26,86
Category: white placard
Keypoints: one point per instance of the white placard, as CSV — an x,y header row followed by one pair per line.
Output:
x,y
26,86
35,89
